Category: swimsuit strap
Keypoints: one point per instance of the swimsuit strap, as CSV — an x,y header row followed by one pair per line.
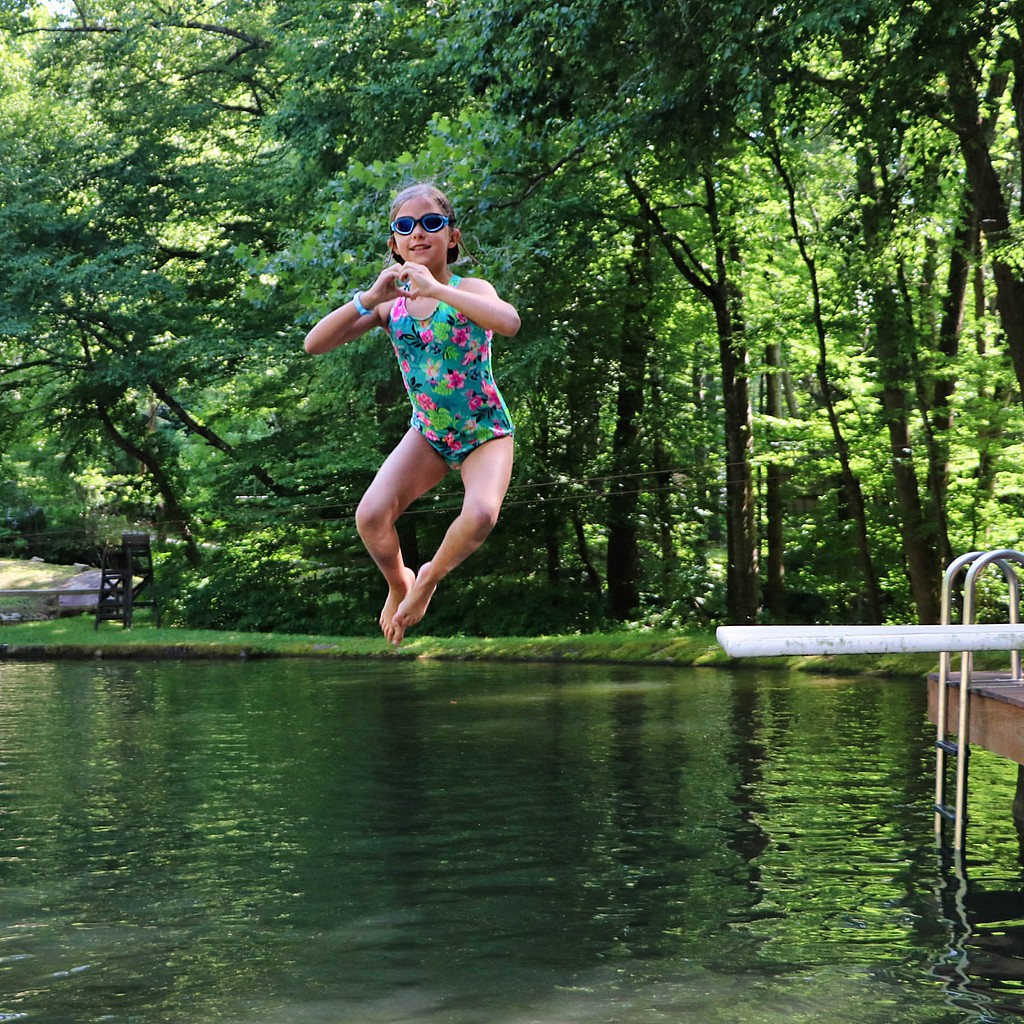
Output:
x,y
454,282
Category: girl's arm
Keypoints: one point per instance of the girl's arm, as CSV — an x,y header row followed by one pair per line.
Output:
x,y
339,327
474,297
345,323
479,301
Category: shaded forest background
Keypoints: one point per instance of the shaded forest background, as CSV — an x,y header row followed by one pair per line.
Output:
x,y
768,256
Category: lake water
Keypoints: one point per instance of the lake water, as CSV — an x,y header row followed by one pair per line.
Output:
x,y
332,842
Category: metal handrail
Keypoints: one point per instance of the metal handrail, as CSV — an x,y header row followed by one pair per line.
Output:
x,y
975,562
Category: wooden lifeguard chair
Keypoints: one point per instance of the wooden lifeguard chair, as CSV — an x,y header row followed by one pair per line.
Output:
x,y
127,574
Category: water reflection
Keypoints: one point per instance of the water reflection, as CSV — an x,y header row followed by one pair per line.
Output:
x,y
307,841
982,901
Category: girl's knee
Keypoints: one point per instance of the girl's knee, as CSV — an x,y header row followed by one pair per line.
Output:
x,y
482,516
371,516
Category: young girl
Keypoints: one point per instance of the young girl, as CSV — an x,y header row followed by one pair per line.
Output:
x,y
440,326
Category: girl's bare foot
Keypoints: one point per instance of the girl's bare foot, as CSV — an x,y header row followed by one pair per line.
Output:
x,y
414,607
396,595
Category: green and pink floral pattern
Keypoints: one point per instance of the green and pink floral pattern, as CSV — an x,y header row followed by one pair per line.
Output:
x,y
446,366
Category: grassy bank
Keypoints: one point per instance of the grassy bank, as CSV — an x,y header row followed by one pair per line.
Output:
x,y
77,638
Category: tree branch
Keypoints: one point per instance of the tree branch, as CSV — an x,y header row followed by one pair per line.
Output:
x,y
176,513
215,440
679,251
252,42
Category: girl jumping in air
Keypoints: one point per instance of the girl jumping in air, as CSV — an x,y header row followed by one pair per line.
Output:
x,y
441,326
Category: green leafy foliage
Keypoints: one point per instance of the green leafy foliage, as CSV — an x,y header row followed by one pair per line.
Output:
x,y
747,244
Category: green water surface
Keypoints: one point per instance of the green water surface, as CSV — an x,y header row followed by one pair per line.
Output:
x,y
311,841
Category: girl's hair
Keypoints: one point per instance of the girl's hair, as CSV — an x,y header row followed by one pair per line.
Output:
x,y
428,191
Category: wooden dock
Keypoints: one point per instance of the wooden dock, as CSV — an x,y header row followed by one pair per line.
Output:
x,y
993,704
995,712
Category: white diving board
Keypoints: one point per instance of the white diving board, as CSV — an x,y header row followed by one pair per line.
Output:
x,y
778,641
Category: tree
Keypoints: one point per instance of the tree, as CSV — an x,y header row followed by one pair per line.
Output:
x,y
767,261
123,298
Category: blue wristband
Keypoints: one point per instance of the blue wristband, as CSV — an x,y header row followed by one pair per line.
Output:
x,y
360,308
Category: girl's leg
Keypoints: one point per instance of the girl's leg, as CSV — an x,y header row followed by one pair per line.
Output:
x,y
485,477
411,470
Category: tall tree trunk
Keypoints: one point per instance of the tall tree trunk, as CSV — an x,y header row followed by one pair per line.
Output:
x,y
623,562
743,585
774,505
937,402
661,478
917,530
990,203
894,348
718,286
854,497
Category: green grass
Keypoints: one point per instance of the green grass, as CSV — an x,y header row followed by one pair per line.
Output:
x,y
77,637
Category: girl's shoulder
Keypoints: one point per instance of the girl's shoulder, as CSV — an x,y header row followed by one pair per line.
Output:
x,y
471,284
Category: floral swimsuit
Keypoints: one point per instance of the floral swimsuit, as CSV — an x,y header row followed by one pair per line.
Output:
x,y
446,366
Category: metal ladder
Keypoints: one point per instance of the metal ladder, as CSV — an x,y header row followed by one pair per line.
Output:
x,y
975,562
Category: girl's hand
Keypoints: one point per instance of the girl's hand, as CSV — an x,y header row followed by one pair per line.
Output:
x,y
386,288
416,281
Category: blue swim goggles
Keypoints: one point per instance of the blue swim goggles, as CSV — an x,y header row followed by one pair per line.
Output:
x,y
431,223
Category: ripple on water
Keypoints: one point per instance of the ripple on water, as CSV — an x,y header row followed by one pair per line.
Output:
x,y
403,842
